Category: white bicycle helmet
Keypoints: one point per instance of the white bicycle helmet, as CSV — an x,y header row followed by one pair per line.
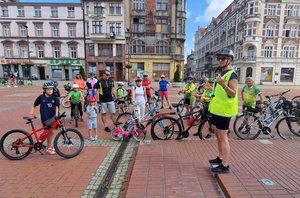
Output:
x,y
75,86
120,84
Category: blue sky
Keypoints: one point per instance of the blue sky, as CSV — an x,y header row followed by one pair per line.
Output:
x,y
199,13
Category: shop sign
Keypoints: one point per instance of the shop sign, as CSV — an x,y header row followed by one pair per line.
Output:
x,y
66,62
15,62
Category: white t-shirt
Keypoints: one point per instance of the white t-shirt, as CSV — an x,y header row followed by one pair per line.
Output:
x,y
139,95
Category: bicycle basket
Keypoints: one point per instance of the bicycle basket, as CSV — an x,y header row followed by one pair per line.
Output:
x,y
50,121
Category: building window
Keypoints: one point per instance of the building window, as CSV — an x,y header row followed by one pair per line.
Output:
x,y
6,30
161,68
115,8
97,27
23,51
268,51
289,52
56,71
105,49
138,47
138,4
249,29
54,12
72,30
162,25
180,5
270,31
181,26
138,25
293,10
251,8
162,47
91,49
98,9
119,50
22,30
291,31
37,11
271,10
56,51
118,29
8,52
55,30
39,30
161,4
287,75
4,11
73,51
21,12
40,51
71,12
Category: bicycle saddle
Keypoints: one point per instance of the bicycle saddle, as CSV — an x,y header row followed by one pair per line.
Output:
x,y
29,119
118,123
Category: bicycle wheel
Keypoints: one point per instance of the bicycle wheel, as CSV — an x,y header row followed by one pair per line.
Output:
x,y
285,124
124,118
165,128
205,130
114,135
65,103
139,134
296,98
21,148
247,126
68,143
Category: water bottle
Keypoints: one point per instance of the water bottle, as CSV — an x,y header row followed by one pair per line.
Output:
x,y
269,120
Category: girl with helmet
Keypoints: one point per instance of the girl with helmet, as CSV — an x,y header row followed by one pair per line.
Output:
x,y
75,97
222,107
139,98
48,109
92,112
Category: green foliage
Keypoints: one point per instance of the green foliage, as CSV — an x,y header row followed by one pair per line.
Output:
x,y
177,74
82,73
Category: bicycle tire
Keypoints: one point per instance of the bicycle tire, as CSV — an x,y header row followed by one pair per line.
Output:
x,y
296,98
65,103
65,143
289,120
124,118
243,130
166,134
204,129
115,136
3,144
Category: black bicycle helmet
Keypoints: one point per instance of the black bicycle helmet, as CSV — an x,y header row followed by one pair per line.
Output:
x,y
55,83
226,52
48,85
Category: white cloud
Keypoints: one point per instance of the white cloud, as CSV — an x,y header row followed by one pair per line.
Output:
x,y
214,8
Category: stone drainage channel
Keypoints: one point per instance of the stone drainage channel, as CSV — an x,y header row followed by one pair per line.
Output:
x,y
111,174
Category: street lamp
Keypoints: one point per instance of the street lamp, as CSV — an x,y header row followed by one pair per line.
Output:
x,y
28,54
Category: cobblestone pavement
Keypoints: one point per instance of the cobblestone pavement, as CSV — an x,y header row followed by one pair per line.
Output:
x,y
167,167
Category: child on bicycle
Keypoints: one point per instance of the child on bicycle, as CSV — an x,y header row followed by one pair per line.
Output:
x,y
48,109
92,111
121,95
76,97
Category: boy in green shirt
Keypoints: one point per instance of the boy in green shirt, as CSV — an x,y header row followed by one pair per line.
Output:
x,y
121,95
249,94
76,97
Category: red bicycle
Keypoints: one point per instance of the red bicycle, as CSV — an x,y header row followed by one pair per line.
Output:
x,y
18,144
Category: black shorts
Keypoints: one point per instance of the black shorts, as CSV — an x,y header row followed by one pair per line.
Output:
x,y
187,101
120,102
220,122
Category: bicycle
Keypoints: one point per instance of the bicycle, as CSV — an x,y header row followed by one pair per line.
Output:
x,y
154,100
63,98
17,144
249,125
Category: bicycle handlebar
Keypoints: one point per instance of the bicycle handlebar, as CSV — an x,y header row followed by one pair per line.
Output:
x,y
279,94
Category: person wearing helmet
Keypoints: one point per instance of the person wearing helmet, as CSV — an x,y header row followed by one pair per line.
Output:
x,y
222,107
56,92
139,98
121,95
92,112
147,84
48,109
76,97
189,94
163,90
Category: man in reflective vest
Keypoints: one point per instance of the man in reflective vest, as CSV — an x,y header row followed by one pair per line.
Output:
x,y
223,106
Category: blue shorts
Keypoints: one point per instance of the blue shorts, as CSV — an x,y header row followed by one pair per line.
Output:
x,y
92,123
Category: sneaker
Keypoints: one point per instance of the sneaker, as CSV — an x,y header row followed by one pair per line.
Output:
x,y
221,169
107,129
15,86
208,136
96,138
50,151
91,138
161,107
217,161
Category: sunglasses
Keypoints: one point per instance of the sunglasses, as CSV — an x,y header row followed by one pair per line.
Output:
x,y
107,74
222,58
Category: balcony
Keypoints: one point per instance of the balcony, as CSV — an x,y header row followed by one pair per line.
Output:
x,y
102,36
249,58
138,13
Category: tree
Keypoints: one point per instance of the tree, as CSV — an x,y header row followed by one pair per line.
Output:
x,y
82,73
177,74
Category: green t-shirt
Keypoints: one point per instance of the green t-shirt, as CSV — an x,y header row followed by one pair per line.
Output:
x,y
249,95
75,96
121,94
189,90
